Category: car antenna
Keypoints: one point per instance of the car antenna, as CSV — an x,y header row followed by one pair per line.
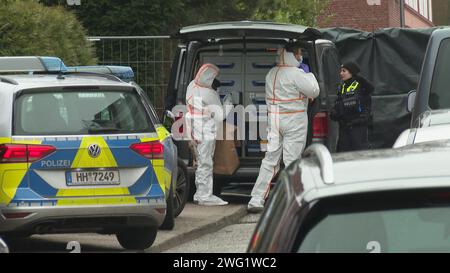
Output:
x,y
60,73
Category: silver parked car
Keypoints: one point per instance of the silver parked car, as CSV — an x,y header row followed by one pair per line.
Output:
x,y
395,200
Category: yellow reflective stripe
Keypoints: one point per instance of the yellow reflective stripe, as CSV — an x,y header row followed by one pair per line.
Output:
x,y
27,141
147,139
162,133
111,191
5,140
126,200
84,160
162,174
75,192
11,174
92,192
351,88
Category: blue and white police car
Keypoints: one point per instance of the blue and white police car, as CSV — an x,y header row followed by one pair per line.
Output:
x,y
81,152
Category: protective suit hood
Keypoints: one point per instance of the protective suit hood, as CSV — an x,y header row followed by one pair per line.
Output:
x,y
287,59
206,75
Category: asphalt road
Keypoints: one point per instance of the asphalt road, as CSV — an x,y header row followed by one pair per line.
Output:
x,y
107,243
231,239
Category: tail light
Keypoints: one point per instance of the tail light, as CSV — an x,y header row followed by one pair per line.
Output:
x,y
20,153
320,126
150,150
17,215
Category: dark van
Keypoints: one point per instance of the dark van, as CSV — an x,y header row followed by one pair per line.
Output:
x,y
245,51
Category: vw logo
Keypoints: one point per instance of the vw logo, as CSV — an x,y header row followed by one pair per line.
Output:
x,y
94,150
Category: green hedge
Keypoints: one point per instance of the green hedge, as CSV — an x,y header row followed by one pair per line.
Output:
x,y
28,28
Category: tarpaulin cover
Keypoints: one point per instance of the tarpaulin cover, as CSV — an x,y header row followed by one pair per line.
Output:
x,y
391,59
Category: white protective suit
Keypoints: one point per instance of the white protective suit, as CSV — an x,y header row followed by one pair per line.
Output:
x,y
287,91
204,118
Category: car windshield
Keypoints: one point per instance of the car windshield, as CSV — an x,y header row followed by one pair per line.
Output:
x,y
439,94
423,227
80,112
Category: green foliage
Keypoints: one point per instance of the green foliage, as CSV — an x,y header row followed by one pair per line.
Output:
x,y
162,17
205,11
126,17
301,12
29,28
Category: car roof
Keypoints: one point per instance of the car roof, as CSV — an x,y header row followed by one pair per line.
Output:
x,y
436,117
418,166
239,29
15,83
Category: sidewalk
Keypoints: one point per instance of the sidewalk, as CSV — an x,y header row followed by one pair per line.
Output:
x,y
196,221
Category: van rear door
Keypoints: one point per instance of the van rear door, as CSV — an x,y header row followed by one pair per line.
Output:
x,y
322,129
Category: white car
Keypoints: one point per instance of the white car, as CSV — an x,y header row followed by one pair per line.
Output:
x,y
435,125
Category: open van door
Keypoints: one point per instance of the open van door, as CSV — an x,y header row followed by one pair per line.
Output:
x,y
322,129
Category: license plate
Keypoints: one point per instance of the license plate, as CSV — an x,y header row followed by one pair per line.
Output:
x,y
98,177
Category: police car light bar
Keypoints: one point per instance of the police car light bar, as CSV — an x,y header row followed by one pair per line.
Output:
x,y
26,64
124,73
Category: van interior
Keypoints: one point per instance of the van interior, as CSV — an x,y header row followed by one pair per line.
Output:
x,y
243,68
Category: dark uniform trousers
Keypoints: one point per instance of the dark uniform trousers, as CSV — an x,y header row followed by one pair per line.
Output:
x,y
352,138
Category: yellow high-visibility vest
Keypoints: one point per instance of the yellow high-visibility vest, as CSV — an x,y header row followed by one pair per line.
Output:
x,y
351,88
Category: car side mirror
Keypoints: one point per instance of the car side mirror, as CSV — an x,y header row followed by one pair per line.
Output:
x,y
411,100
168,119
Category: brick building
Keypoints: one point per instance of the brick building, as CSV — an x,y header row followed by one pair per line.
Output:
x,y
370,15
441,12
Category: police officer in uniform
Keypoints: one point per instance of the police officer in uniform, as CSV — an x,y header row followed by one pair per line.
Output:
x,y
352,109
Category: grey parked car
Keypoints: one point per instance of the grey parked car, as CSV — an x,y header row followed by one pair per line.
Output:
x,y
395,200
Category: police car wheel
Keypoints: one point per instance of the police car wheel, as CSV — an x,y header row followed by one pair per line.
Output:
x,y
169,219
137,238
181,194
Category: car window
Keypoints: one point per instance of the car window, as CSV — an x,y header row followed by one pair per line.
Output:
x,y
440,87
421,227
80,112
278,203
153,115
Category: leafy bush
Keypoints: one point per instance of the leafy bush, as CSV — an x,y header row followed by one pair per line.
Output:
x,y
28,28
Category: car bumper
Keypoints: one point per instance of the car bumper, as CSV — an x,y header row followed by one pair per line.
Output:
x,y
108,219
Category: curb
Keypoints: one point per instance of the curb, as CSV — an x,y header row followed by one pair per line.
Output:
x,y
197,232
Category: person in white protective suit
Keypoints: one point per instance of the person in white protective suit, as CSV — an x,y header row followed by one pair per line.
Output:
x,y
204,121
287,91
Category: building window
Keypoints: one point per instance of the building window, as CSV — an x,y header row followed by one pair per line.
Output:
x,y
423,7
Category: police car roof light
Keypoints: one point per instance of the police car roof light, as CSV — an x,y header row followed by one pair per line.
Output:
x,y
124,73
325,161
27,64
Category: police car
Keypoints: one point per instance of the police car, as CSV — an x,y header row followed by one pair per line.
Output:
x,y
81,152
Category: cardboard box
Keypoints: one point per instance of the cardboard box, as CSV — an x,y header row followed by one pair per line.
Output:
x,y
226,159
